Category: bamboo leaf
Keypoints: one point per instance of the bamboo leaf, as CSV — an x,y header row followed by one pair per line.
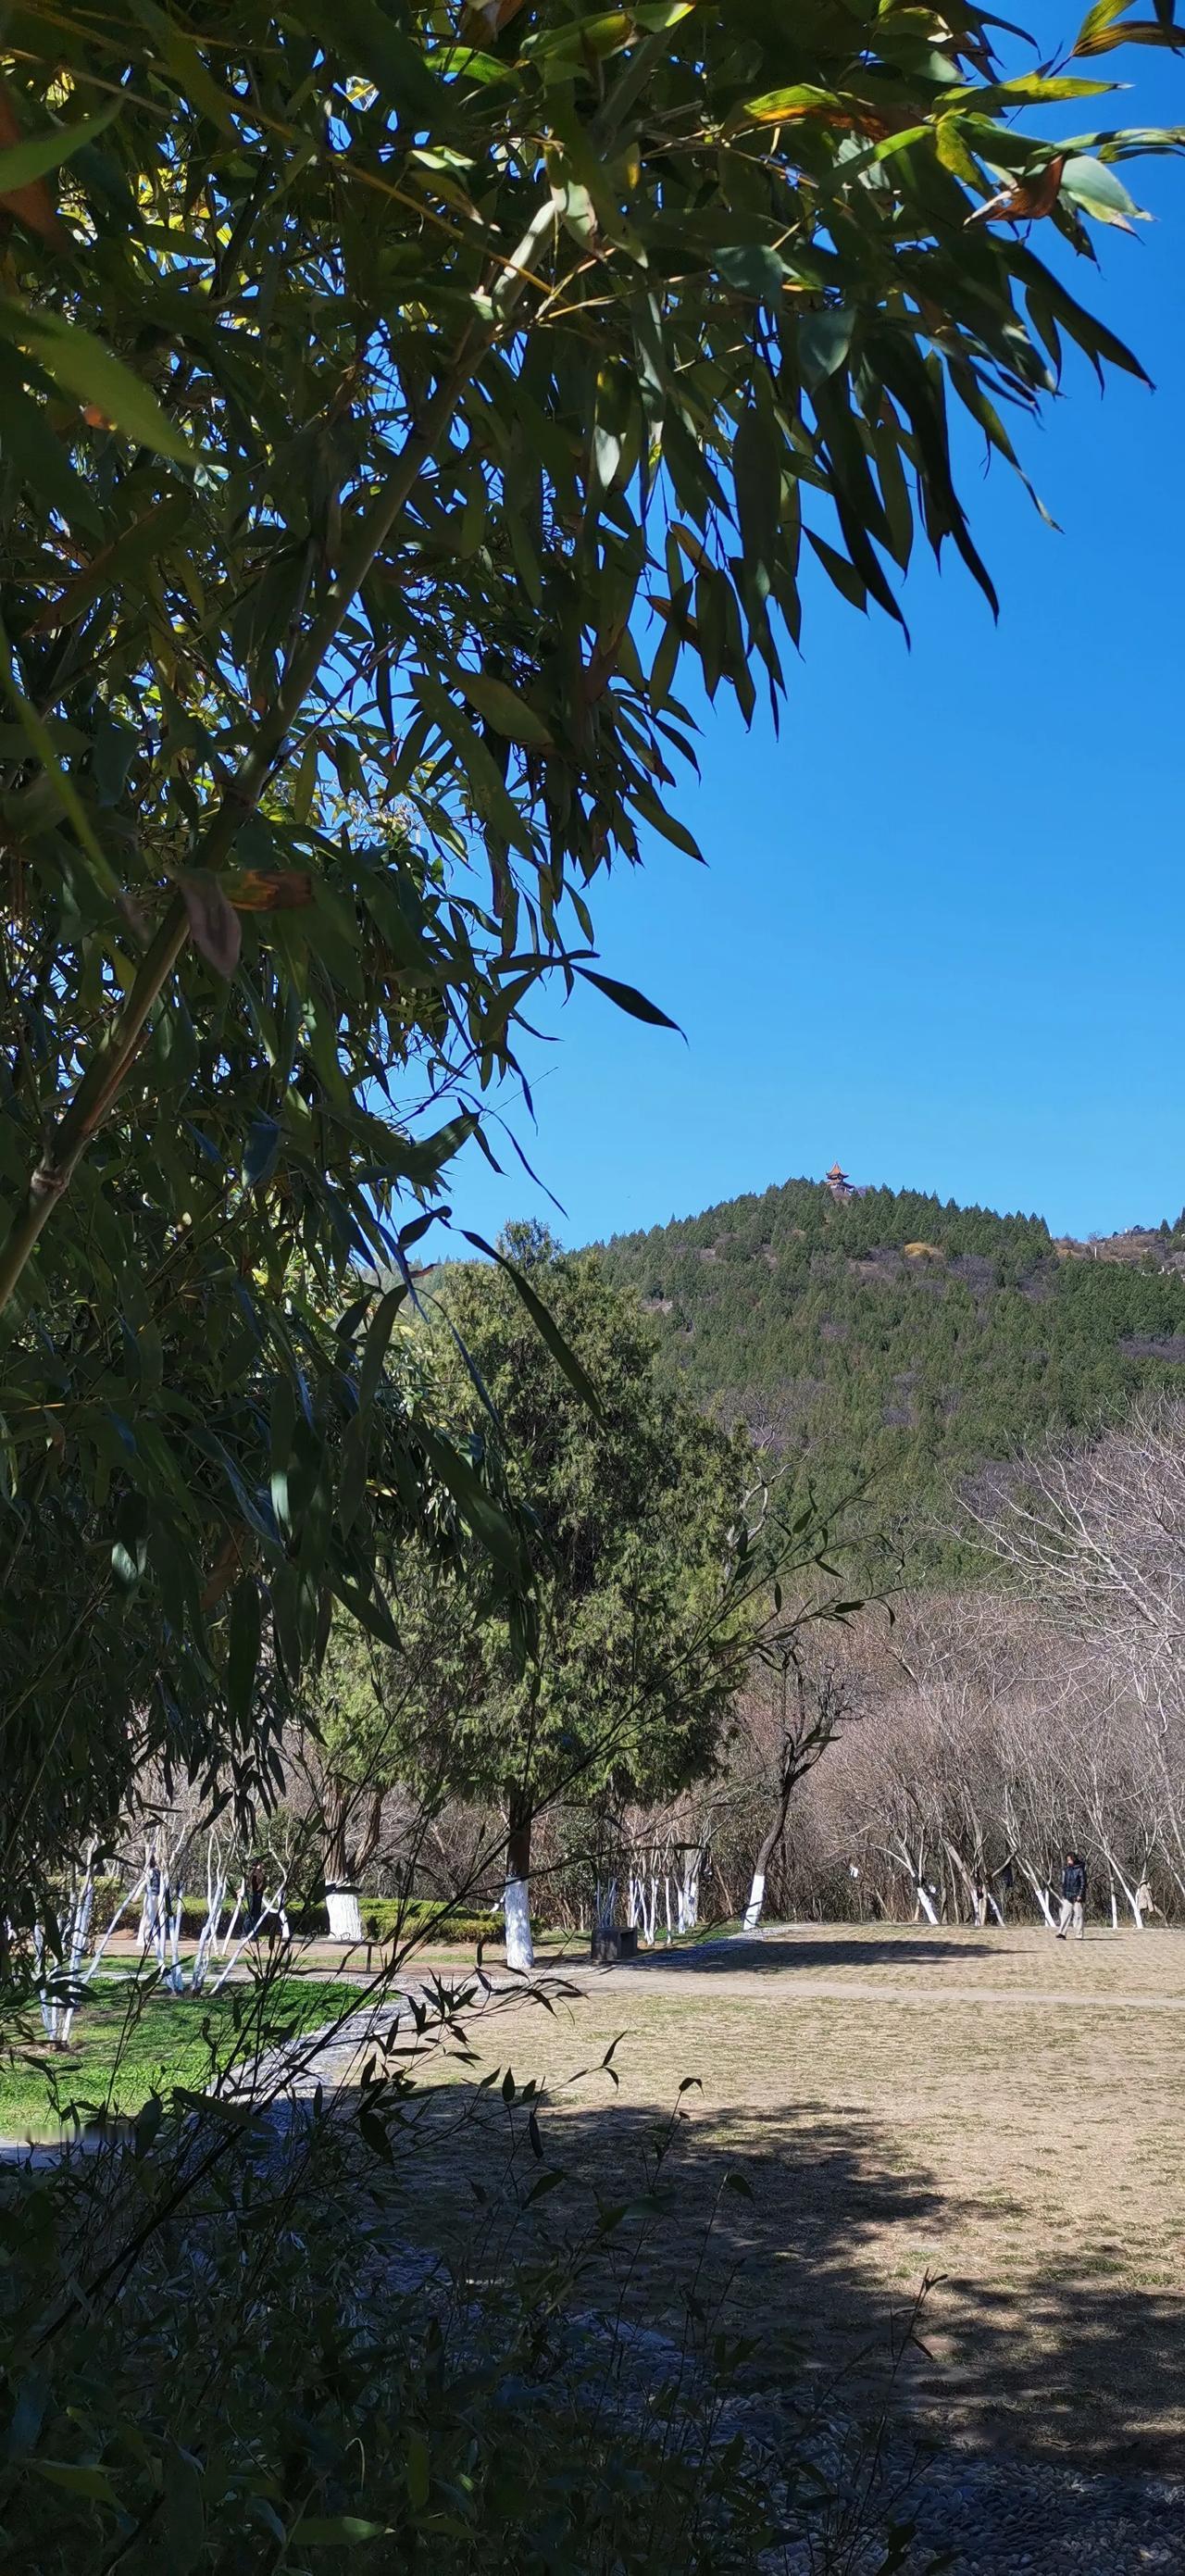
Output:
x,y
373,42
41,744
1093,186
504,709
242,1654
109,568
83,367
627,998
77,2479
786,106
334,2531
416,2469
22,162
1133,31
544,1322
213,921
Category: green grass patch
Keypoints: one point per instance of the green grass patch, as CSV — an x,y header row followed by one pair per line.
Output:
x,y
130,2040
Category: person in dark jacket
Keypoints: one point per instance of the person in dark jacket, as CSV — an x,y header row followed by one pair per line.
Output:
x,y
255,1898
1073,1896
152,1898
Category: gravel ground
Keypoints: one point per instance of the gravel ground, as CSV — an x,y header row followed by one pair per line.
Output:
x,y
976,2512
995,2515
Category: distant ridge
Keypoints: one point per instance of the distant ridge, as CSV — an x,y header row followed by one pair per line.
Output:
x,y
886,1333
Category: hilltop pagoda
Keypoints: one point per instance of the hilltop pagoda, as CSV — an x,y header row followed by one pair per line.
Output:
x,y
836,1180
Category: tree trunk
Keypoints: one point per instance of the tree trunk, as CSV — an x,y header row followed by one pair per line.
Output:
x,y
764,1857
973,1886
175,1973
335,1811
520,1950
217,1874
341,1896
1042,1894
345,1913
605,1906
369,1838
1131,1894
80,1921
689,1893
756,1901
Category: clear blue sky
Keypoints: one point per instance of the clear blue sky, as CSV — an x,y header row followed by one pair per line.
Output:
x,y
939,928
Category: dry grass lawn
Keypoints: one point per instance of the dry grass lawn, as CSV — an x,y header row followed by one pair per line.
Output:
x,y
998,2109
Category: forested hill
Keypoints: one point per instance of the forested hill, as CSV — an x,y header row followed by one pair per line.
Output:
x,y
895,1336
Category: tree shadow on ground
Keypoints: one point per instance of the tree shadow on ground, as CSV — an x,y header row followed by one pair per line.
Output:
x,y
809,2235
1109,2382
723,1957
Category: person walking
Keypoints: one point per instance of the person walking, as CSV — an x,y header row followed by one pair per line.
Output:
x,y
150,1915
255,1899
1073,1897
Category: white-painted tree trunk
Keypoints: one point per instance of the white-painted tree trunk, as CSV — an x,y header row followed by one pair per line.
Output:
x,y
345,1914
516,1906
643,1907
80,1922
57,2016
689,1893
121,1909
175,1973
152,1896
756,1901
274,1905
926,1905
48,2010
217,1874
221,1947
1131,1894
1041,1893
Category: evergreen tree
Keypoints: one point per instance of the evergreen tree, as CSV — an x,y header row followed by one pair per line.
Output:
x,y
637,1510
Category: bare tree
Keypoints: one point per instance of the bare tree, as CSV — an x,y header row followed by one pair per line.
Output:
x,y
1096,1535
806,1710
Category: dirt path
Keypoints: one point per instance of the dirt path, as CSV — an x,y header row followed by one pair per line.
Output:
x,y
807,1989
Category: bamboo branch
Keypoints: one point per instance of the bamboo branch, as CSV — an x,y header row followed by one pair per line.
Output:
x,y
103,1081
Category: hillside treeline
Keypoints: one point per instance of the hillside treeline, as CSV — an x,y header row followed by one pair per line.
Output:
x,y
894,1338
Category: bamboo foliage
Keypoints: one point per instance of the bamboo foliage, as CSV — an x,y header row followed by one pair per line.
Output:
x,y
389,409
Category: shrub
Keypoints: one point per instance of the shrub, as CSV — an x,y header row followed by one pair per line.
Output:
x,y
384,1915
